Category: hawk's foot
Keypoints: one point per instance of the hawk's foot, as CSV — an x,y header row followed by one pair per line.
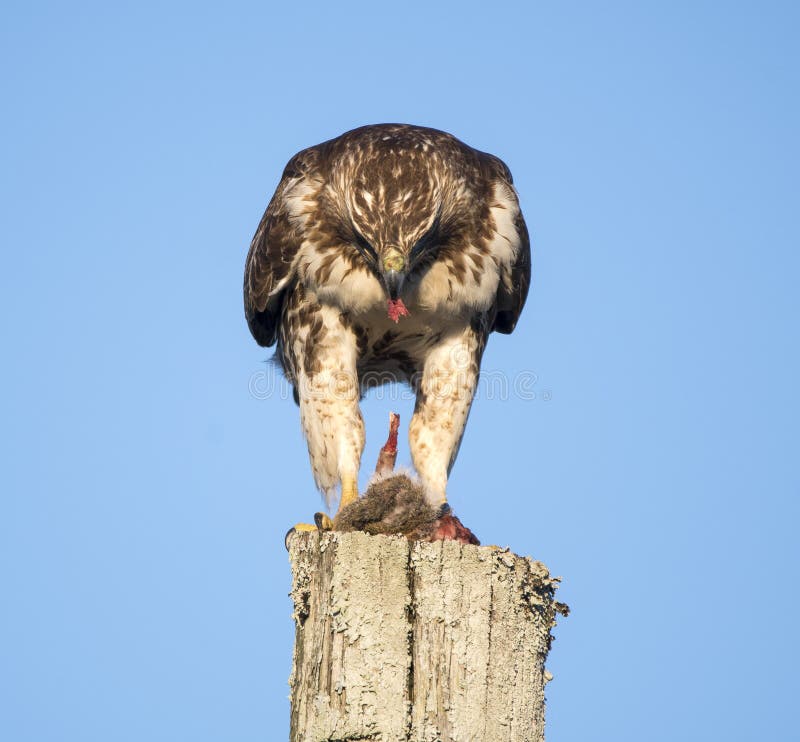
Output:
x,y
321,523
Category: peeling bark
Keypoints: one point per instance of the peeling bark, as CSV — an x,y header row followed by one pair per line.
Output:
x,y
399,641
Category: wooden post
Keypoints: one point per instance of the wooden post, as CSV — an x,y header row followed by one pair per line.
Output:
x,y
404,641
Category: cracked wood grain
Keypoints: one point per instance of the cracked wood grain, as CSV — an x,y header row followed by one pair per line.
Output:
x,y
431,642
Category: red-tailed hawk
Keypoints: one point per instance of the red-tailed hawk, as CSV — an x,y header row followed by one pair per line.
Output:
x,y
387,254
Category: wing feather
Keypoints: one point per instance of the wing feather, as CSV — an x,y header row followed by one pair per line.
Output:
x,y
269,268
515,281
513,289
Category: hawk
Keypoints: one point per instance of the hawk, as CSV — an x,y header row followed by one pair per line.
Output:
x,y
387,254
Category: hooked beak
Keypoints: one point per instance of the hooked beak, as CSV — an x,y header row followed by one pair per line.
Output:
x,y
393,264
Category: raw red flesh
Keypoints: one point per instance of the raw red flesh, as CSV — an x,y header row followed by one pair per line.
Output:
x,y
397,309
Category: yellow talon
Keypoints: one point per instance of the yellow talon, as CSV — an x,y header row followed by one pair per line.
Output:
x,y
321,521
304,527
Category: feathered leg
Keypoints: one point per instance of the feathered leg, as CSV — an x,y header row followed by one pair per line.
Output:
x,y
444,396
324,358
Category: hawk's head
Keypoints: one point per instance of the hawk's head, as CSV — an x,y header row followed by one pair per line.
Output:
x,y
393,208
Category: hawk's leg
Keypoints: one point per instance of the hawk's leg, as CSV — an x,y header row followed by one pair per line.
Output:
x,y
444,396
328,391
334,432
349,489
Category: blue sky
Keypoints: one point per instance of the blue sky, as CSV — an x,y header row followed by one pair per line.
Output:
x,y
146,488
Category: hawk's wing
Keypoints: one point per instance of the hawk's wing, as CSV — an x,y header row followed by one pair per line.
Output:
x,y
269,269
514,283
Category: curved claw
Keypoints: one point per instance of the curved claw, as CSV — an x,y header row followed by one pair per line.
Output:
x,y
444,509
297,528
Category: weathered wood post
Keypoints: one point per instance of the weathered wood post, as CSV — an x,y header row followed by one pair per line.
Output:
x,y
405,641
